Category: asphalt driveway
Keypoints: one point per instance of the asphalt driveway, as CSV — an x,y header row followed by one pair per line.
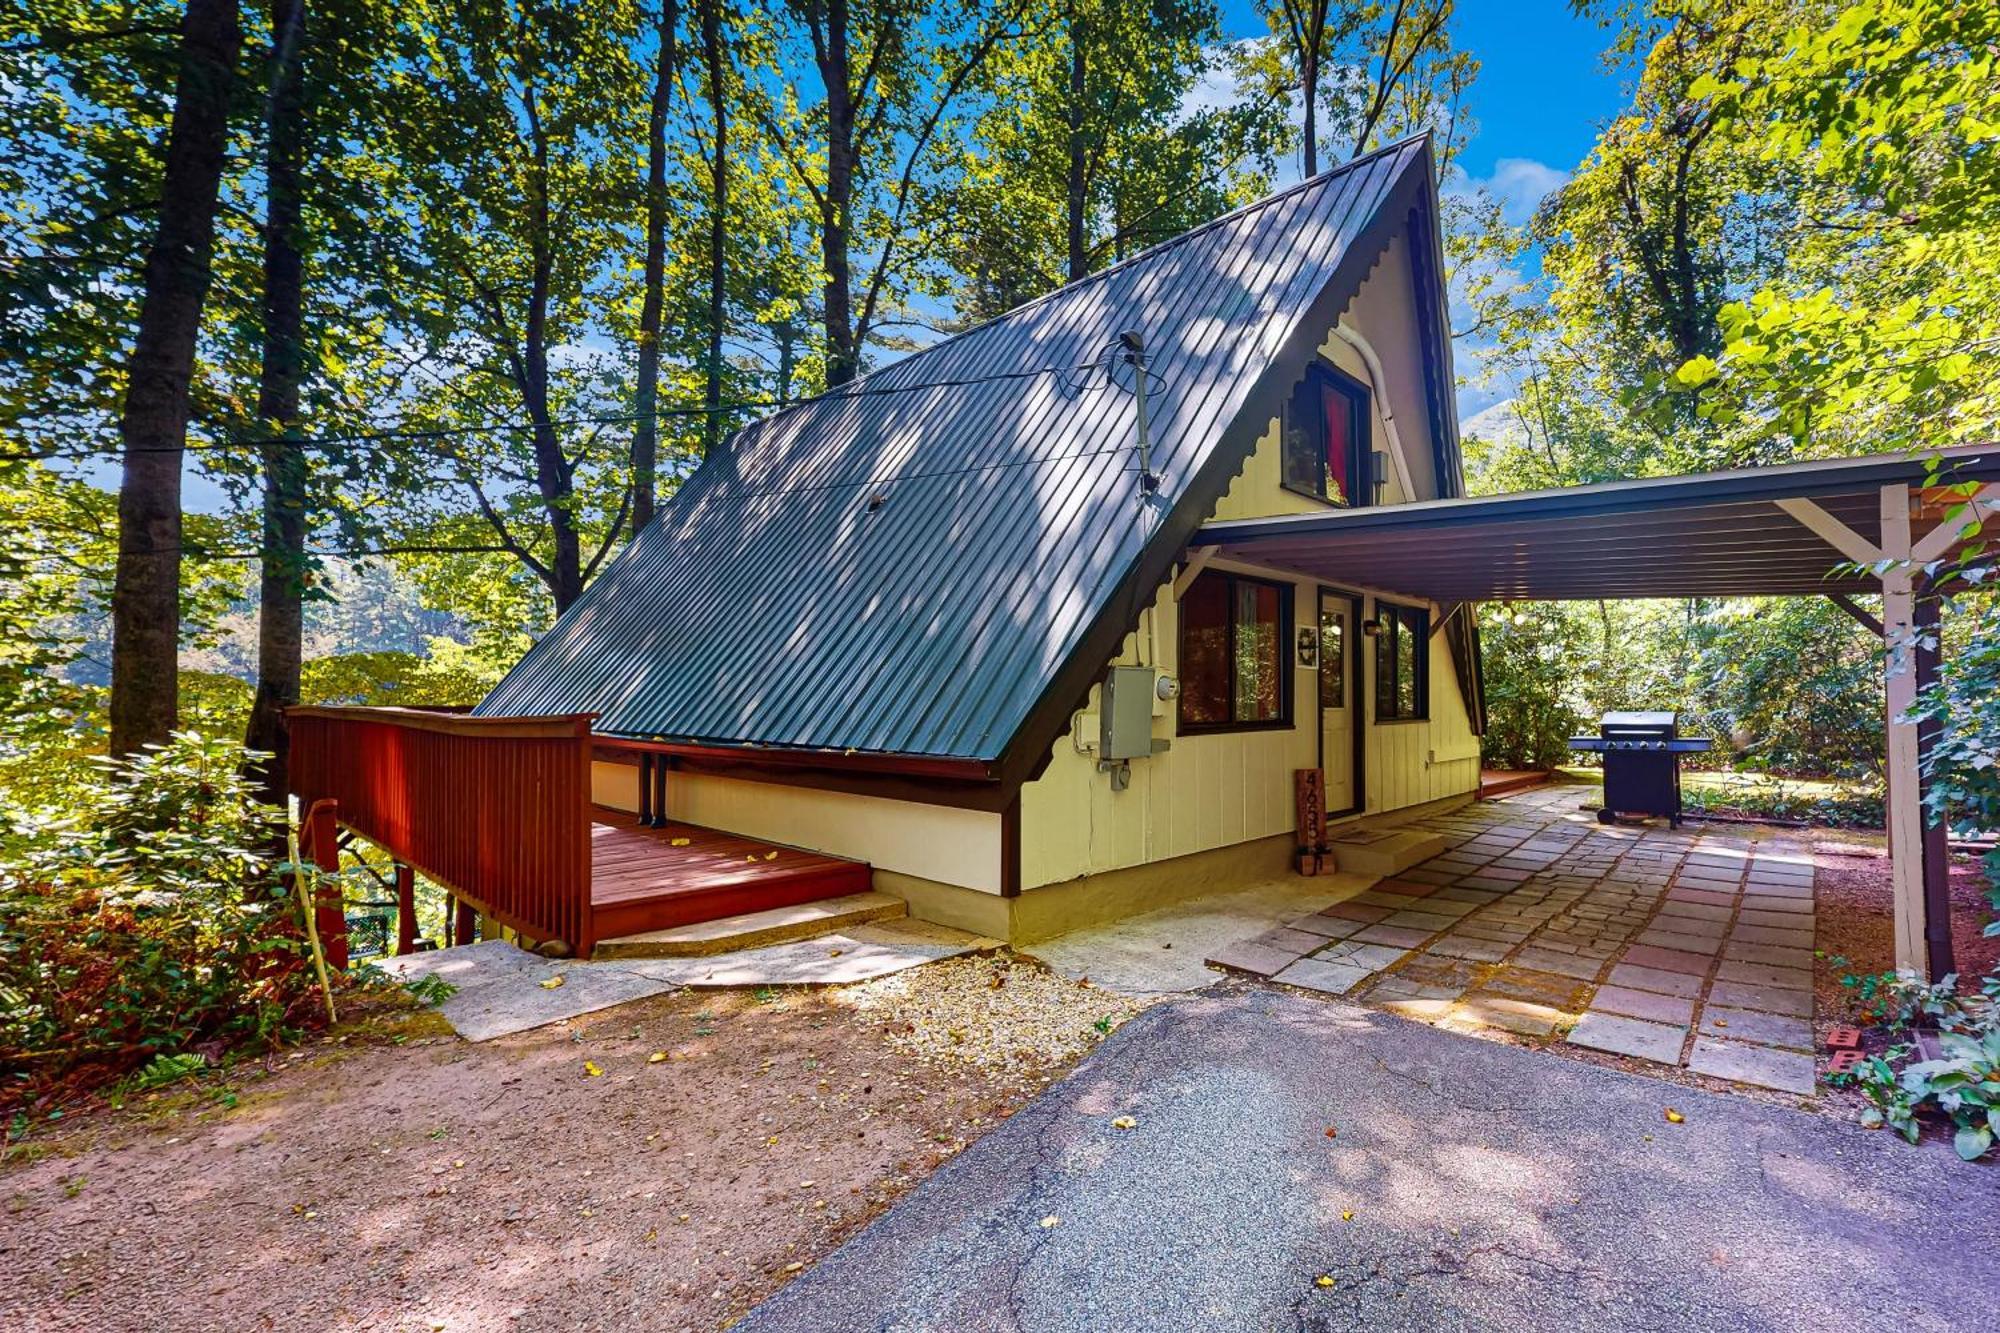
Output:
x,y
1469,1185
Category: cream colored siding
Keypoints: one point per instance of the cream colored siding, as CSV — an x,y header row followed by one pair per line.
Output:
x,y
933,842
1410,763
1216,790
1206,791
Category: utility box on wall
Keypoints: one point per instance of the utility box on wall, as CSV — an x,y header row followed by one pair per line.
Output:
x,y
1125,717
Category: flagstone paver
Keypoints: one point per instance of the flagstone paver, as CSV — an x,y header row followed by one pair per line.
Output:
x,y
1542,922
1765,1066
1750,1025
1629,1036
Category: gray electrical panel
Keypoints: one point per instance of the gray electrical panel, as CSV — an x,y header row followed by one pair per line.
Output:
x,y
1125,717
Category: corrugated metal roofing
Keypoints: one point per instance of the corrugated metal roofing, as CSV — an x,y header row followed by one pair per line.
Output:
x,y
900,565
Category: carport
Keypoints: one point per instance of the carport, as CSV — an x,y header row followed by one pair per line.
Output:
x,y
1888,525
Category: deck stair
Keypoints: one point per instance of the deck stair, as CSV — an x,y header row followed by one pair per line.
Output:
x,y
755,930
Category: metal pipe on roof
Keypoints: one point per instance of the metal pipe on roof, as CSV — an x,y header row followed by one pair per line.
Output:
x,y
1379,380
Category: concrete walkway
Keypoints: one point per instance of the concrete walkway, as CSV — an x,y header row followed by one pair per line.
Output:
x,y
500,990
1468,1184
1675,946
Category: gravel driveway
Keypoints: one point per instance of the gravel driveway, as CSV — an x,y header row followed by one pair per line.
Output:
x,y
1468,1184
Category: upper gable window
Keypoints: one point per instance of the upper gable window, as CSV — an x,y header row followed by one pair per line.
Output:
x,y
1325,438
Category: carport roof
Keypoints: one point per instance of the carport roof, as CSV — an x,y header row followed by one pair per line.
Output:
x,y
1708,534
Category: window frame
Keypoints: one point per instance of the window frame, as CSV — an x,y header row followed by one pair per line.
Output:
x,y
1361,436
1287,593
1415,621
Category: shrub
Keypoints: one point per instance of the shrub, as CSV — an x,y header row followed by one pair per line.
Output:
x,y
148,919
1962,1084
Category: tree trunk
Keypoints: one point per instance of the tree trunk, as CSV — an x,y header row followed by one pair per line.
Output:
x,y
1309,71
1079,36
554,474
285,569
145,599
646,405
718,224
843,352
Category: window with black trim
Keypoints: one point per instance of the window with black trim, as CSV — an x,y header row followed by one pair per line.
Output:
x,y
1325,438
1402,663
1235,671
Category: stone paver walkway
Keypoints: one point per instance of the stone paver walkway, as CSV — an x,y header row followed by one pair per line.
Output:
x,y
1674,946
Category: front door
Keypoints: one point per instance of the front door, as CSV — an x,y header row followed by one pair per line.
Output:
x,y
1337,696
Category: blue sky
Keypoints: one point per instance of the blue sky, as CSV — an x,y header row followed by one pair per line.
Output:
x,y
1542,90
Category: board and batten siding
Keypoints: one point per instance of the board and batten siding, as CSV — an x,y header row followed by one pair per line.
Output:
x,y
1216,790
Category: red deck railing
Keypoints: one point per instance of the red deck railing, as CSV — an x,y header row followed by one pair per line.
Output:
x,y
496,808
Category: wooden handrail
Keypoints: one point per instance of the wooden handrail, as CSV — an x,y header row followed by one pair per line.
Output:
x,y
497,809
451,723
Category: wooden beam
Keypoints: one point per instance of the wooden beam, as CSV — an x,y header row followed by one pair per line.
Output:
x,y
1837,534
1198,558
1904,807
406,909
1445,611
1936,543
1858,611
1935,852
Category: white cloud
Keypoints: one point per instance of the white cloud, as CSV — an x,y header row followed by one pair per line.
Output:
x,y
1518,185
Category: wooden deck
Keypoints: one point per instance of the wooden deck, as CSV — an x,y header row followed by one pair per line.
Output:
x,y
640,880
1498,782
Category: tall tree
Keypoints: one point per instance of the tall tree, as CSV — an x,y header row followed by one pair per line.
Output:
x,y
646,398
715,61
1085,149
891,75
282,551
512,149
153,427
1362,73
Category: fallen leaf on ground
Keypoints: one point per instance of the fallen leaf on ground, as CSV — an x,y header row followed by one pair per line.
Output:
x,y
680,842
1322,1281
771,855
1332,1131
1051,1221
656,1057
590,1069
1674,1117
1347,1214
551,983
1124,1122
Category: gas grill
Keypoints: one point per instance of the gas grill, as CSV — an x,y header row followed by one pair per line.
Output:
x,y
1642,763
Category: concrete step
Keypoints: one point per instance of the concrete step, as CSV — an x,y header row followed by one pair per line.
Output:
x,y
1384,852
754,930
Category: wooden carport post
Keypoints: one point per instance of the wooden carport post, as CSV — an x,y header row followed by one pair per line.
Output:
x,y
1903,810
1917,865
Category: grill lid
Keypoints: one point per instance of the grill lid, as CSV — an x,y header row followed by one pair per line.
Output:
x,y
1661,724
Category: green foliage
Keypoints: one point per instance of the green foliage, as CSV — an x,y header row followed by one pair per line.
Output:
x,y
144,920
430,989
166,1069
1962,1084
1871,330
1962,772
1531,710
1143,169
1783,686
1766,799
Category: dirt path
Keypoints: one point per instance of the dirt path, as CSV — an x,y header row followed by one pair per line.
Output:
x,y
436,1185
